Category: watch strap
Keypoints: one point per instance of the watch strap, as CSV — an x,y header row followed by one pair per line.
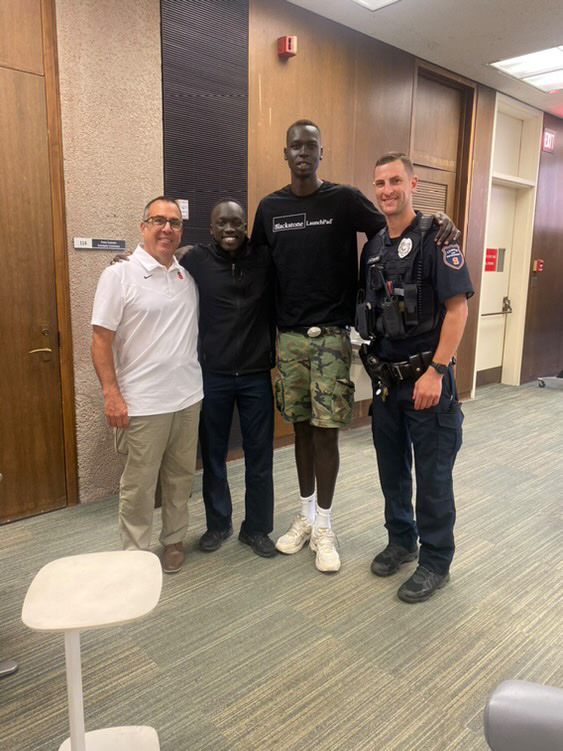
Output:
x,y
439,368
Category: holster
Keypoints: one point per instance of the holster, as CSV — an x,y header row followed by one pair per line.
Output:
x,y
378,371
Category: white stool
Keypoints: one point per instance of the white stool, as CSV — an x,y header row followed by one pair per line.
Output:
x,y
85,592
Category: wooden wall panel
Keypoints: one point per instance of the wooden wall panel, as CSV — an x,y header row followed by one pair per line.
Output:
x,y
384,100
543,336
21,45
317,84
357,89
436,138
475,236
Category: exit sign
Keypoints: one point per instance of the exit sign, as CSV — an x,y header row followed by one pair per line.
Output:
x,y
548,140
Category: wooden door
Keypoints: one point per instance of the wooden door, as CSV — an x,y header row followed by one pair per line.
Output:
x,y
436,145
32,462
441,139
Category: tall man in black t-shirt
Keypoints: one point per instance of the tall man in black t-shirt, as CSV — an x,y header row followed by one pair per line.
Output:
x,y
310,227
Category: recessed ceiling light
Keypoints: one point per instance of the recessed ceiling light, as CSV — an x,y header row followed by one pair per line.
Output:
x,y
543,69
374,4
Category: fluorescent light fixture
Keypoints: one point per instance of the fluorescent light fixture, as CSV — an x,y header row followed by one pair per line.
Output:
x,y
552,81
374,4
543,69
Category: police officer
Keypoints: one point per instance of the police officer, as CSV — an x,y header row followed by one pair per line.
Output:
x,y
413,309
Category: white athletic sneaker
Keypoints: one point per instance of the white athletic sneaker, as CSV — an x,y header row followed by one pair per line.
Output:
x,y
296,536
323,543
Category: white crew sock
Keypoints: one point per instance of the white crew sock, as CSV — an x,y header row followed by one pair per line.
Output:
x,y
308,506
322,518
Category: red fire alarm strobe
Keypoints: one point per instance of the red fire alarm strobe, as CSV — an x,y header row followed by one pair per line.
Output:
x,y
287,46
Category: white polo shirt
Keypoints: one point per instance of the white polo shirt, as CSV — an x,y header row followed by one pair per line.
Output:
x,y
154,313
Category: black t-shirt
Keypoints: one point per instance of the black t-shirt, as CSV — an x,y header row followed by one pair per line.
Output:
x,y
314,250
444,268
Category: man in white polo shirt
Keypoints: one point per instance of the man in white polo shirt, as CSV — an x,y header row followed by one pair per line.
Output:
x,y
144,349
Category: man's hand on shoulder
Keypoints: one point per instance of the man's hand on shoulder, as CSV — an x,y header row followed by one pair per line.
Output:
x,y
447,233
183,251
120,257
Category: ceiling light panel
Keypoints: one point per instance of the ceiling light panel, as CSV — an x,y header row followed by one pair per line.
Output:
x,y
543,69
529,65
552,81
374,4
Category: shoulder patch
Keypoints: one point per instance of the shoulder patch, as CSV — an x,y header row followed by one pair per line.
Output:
x,y
453,257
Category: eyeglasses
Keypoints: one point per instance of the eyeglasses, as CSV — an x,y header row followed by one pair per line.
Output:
x,y
162,221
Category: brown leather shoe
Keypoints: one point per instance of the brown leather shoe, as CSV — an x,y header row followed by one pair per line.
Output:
x,y
173,558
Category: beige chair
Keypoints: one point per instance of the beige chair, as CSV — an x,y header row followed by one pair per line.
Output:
x,y
523,716
86,592
8,667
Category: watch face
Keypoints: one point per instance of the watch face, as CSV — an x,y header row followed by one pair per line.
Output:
x,y
441,369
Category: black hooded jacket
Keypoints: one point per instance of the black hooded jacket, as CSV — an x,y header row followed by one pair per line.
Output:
x,y
236,308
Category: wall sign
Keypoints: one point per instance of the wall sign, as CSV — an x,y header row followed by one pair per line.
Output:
x,y
548,143
184,205
91,243
491,256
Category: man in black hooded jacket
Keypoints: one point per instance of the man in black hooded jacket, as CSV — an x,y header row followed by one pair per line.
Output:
x,y
236,352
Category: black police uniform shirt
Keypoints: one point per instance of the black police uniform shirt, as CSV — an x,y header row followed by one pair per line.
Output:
x,y
444,268
314,250
236,311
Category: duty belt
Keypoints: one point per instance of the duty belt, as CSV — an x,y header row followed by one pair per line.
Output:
x,y
386,374
414,367
314,331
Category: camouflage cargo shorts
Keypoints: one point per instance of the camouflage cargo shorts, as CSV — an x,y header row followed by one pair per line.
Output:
x,y
313,380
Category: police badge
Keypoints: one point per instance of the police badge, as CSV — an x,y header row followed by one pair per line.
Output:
x,y
405,247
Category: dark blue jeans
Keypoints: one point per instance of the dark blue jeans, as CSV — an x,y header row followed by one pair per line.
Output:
x,y
252,395
435,436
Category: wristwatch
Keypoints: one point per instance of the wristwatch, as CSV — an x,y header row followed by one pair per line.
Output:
x,y
439,368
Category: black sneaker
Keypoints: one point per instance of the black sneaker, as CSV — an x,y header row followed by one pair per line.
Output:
x,y
421,585
260,544
389,560
213,539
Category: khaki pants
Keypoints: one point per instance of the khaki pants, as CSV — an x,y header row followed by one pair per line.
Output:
x,y
156,444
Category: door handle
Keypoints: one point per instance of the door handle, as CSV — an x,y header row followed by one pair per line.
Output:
x,y
45,353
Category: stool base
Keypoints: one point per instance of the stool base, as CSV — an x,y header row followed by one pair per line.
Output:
x,y
8,667
119,739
